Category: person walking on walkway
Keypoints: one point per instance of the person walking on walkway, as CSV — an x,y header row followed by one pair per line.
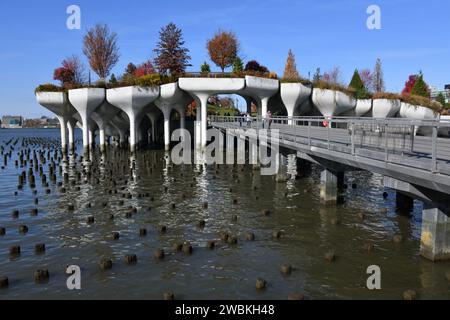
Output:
x,y
269,119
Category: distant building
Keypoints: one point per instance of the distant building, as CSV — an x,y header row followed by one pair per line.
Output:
x,y
12,122
435,91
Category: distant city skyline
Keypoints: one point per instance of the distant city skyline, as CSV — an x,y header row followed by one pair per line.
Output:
x,y
322,34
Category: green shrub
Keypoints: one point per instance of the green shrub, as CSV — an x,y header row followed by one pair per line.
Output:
x,y
333,86
421,101
150,80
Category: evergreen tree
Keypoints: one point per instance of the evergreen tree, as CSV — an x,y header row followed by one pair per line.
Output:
x,y
205,68
171,55
420,87
358,86
113,79
290,70
441,98
238,65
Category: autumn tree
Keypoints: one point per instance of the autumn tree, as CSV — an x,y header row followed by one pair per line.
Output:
x,y
420,87
378,77
72,72
101,49
171,55
254,66
223,49
409,84
333,76
131,69
367,78
290,70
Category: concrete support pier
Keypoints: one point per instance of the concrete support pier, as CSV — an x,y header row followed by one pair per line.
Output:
x,y
85,101
435,239
331,183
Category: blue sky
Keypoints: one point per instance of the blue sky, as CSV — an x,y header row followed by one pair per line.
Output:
x,y
414,36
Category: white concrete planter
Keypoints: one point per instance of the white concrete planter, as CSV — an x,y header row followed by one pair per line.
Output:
x,y
132,100
413,112
56,102
385,108
332,103
212,85
293,96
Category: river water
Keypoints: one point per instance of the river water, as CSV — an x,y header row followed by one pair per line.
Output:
x,y
174,196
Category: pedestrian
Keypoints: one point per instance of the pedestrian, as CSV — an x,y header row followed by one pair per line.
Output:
x,y
248,118
269,119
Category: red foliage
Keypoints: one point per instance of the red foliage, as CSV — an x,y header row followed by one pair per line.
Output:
x,y
144,69
409,84
64,75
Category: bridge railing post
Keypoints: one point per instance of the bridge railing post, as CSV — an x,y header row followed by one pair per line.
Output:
x,y
309,133
352,131
434,168
328,134
386,141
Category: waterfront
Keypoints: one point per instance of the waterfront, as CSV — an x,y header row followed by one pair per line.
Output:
x,y
227,272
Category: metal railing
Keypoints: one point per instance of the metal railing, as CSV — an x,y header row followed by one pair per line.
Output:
x,y
423,141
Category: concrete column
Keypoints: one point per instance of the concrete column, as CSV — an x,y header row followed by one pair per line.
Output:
x,y
204,120
91,137
71,124
330,185
133,133
198,127
63,126
435,239
102,139
182,121
264,107
404,203
290,117
167,129
86,130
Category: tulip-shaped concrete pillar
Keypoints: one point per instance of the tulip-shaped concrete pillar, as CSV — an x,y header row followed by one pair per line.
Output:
x,y
171,97
58,103
200,89
85,101
134,101
293,95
